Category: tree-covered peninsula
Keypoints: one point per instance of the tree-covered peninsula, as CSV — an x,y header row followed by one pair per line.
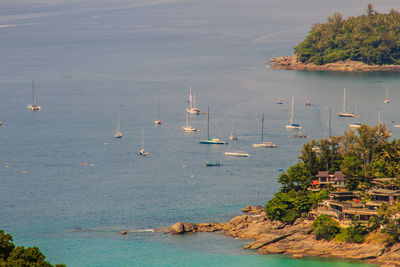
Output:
x,y
341,199
368,199
12,256
373,39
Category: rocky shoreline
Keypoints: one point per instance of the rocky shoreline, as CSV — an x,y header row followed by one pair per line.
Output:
x,y
291,63
297,240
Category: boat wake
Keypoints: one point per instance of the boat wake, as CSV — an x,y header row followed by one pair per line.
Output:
x,y
105,230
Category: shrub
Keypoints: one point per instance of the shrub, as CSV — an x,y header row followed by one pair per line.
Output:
x,y
325,227
20,256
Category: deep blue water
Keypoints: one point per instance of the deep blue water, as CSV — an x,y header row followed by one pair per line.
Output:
x,y
96,61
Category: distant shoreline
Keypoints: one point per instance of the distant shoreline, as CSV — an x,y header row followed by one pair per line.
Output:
x,y
297,240
291,63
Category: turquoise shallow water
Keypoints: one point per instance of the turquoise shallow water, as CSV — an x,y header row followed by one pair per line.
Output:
x,y
95,61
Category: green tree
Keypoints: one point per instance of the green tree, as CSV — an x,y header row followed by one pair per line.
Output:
x,y
352,171
296,178
325,227
356,232
370,38
310,158
27,257
11,256
6,245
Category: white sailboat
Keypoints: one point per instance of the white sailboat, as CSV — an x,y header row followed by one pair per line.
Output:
x,y
344,113
292,125
34,107
209,140
192,103
142,151
387,99
187,128
355,124
118,133
263,144
158,121
233,136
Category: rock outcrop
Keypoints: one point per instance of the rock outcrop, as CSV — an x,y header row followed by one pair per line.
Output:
x,y
272,237
291,63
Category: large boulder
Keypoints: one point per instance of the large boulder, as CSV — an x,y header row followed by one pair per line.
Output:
x,y
189,227
177,228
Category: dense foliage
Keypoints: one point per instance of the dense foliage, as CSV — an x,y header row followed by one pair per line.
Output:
x,y
293,200
11,256
361,157
325,227
372,39
356,232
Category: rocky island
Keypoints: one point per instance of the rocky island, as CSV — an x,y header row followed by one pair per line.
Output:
x,y
364,43
292,63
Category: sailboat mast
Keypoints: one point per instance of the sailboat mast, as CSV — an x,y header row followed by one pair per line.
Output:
x,y
158,114
190,98
33,92
379,118
194,100
344,100
292,113
142,139
208,122
330,122
187,119
262,128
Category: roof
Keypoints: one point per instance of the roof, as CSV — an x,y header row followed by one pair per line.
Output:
x,y
383,179
383,192
339,176
343,193
322,174
315,182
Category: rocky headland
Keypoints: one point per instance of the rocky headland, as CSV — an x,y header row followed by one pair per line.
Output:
x,y
297,240
291,63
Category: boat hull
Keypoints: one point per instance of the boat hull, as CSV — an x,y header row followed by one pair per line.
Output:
x,y
355,125
232,137
188,129
34,107
212,164
213,142
346,115
293,126
143,152
237,154
266,144
193,110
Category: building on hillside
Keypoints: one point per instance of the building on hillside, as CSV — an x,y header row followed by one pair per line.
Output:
x,y
324,180
386,183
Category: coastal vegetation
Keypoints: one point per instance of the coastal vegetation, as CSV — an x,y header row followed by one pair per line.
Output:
x,y
11,256
372,38
325,227
361,156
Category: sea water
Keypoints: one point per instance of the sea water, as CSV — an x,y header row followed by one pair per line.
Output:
x,y
69,187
